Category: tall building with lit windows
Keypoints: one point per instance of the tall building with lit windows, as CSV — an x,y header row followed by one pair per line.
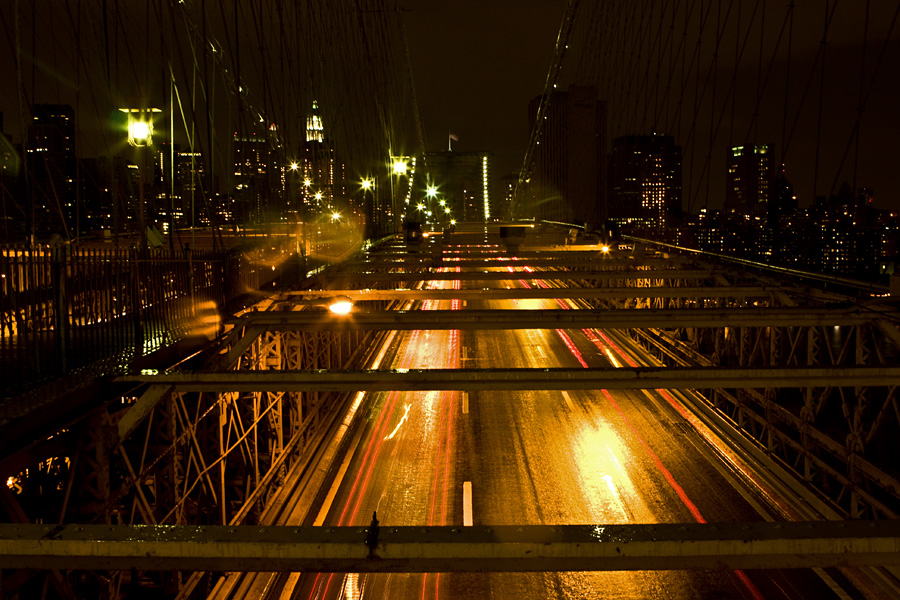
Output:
x,y
253,179
52,168
750,181
463,183
194,201
645,177
321,175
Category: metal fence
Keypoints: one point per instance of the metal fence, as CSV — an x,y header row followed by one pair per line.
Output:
x,y
63,308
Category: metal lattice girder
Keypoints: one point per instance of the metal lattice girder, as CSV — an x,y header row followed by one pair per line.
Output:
x,y
673,378
556,319
507,548
538,293
585,259
666,274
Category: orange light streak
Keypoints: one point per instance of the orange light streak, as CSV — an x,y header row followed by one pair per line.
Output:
x,y
682,495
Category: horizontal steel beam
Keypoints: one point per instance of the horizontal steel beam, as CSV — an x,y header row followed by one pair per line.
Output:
x,y
593,260
597,274
518,293
555,319
673,378
508,548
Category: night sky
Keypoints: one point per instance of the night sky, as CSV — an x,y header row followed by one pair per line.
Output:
x,y
476,65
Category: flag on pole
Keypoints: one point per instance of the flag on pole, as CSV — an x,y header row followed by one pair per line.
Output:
x,y
451,138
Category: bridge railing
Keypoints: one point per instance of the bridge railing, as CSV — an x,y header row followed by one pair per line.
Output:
x,y
63,308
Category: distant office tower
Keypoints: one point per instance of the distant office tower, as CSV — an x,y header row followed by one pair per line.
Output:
x,y
568,178
188,181
645,176
847,225
463,181
322,185
750,181
257,177
52,168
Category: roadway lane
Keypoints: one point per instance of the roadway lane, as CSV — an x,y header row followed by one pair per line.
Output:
x,y
540,457
404,465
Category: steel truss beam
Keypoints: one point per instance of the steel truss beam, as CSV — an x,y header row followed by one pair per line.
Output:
x,y
660,275
522,379
507,548
554,319
499,253
538,293
586,260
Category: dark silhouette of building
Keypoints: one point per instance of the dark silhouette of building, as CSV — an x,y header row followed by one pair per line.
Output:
x,y
52,165
750,181
784,201
503,199
11,182
568,178
645,176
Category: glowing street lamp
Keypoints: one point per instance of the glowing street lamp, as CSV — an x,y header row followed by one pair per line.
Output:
x,y
318,195
307,182
447,210
442,202
140,125
341,305
294,166
367,184
335,216
420,206
431,192
140,135
400,167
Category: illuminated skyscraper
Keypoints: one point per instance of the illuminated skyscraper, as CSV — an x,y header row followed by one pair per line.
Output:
x,y
645,173
321,173
252,189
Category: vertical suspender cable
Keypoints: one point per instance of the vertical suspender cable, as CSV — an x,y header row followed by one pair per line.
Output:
x,y
787,84
824,43
860,101
562,38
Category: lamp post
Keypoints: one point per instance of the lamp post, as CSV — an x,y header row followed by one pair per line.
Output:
x,y
399,167
140,135
292,201
368,185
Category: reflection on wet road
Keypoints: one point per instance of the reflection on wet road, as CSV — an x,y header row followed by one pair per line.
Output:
x,y
540,457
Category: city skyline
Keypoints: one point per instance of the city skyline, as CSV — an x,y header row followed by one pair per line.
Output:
x,y
482,96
